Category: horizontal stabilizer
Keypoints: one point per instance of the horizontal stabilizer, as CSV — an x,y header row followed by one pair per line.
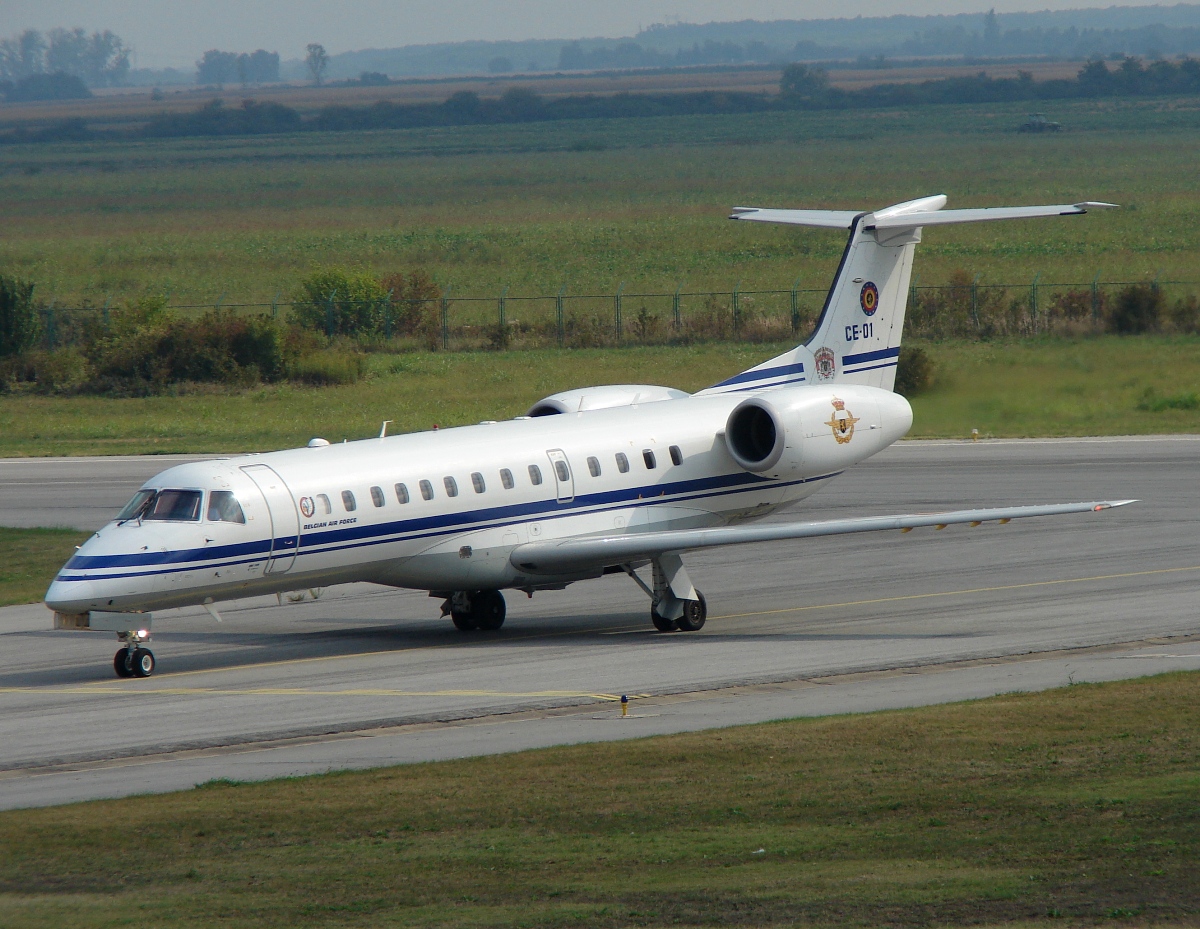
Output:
x,y
900,218
566,556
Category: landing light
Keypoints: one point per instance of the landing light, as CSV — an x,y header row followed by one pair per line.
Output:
x,y
142,633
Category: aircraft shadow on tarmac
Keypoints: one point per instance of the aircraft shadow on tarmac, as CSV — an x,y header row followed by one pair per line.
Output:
x,y
210,650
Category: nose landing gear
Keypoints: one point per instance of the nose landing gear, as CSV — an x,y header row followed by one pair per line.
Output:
x,y
133,660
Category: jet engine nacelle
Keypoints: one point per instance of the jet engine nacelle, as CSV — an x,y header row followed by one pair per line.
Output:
x,y
810,431
603,398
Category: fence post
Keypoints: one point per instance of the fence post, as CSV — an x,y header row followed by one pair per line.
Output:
x,y
446,318
559,319
678,320
50,325
796,306
329,314
1033,300
1096,298
912,293
500,306
275,306
220,300
975,302
617,311
387,317
737,310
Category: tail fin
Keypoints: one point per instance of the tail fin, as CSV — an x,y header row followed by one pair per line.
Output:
x,y
857,338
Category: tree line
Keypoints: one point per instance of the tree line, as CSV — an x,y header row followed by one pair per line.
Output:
x,y
98,60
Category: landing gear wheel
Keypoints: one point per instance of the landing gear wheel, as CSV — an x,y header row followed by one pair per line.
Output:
x,y
695,612
661,624
122,664
464,622
488,608
143,662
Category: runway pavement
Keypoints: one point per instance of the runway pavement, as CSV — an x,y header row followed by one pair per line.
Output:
x,y
365,676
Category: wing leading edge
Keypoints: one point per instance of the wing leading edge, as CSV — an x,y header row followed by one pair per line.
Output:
x,y
565,556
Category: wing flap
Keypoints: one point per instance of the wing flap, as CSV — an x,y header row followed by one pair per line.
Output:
x,y
564,556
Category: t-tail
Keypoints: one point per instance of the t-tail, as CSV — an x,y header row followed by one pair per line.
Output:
x,y
857,338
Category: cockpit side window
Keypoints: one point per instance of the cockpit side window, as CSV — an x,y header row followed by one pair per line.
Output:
x,y
134,507
224,508
175,505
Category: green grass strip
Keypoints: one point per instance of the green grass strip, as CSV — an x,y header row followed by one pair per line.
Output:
x,y
29,559
1069,807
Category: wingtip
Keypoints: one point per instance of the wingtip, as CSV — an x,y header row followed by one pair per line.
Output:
x,y
1096,205
1111,504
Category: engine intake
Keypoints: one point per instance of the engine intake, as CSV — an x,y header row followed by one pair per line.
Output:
x,y
754,435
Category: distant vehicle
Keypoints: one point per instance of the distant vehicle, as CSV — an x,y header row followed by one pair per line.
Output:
x,y
1037,122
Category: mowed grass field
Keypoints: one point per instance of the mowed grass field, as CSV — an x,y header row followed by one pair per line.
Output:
x,y
591,204
1073,807
1044,387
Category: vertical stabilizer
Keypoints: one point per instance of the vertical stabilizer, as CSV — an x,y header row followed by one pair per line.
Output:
x,y
857,338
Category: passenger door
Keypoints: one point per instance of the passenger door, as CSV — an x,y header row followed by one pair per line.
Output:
x,y
285,520
564,481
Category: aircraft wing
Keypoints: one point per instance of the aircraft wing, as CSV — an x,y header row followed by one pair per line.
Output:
x,y
565,556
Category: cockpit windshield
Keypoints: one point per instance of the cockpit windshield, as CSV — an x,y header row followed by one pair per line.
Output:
x,y
133,509
175,505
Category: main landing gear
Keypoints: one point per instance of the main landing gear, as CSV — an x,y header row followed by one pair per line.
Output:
x,y
133,660
475,610
675,605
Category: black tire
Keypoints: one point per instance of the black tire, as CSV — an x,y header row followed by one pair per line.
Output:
x,y
489,609
464,622
122,664
662,624
143,662
695,612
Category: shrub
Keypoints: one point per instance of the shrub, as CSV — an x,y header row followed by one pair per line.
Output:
x,y
341,301
1138,308
1185,314
216,348
20,326
914,371
414,308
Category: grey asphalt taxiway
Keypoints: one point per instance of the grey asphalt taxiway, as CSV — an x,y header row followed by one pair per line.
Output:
x,y
363,676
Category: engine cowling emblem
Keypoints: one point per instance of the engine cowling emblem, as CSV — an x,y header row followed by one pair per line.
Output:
x,y
842,422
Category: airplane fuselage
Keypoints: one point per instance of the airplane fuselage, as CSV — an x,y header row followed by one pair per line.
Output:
x,y
444,510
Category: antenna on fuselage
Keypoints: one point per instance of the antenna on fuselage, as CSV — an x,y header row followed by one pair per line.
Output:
x,y
383,430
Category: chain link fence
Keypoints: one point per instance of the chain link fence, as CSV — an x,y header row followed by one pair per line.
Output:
x,y
963,308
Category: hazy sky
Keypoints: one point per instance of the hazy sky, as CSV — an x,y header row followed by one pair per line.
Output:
x,y
176,32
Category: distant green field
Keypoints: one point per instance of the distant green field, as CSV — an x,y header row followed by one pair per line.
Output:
x,y
1074,807
29,558
1090,386
592,204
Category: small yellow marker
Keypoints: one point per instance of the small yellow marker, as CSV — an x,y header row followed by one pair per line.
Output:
x,y
975,522
1005,522
624,705
974,435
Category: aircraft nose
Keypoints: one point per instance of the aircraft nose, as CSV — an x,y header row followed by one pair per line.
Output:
x,y
70,596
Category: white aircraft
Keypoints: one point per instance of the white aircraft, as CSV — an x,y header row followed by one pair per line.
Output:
x,y
602,480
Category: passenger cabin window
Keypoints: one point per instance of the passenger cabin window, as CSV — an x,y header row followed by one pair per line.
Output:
x,y
648,457
560,468
224,508
326,506
622,462
348,501
451,486
676,455
594,466
477,482
426,490
377,496
506,478
535,475
401,493
180,505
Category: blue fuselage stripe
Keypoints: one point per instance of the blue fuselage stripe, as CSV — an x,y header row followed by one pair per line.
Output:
x,y
864,357
762,374
404,530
